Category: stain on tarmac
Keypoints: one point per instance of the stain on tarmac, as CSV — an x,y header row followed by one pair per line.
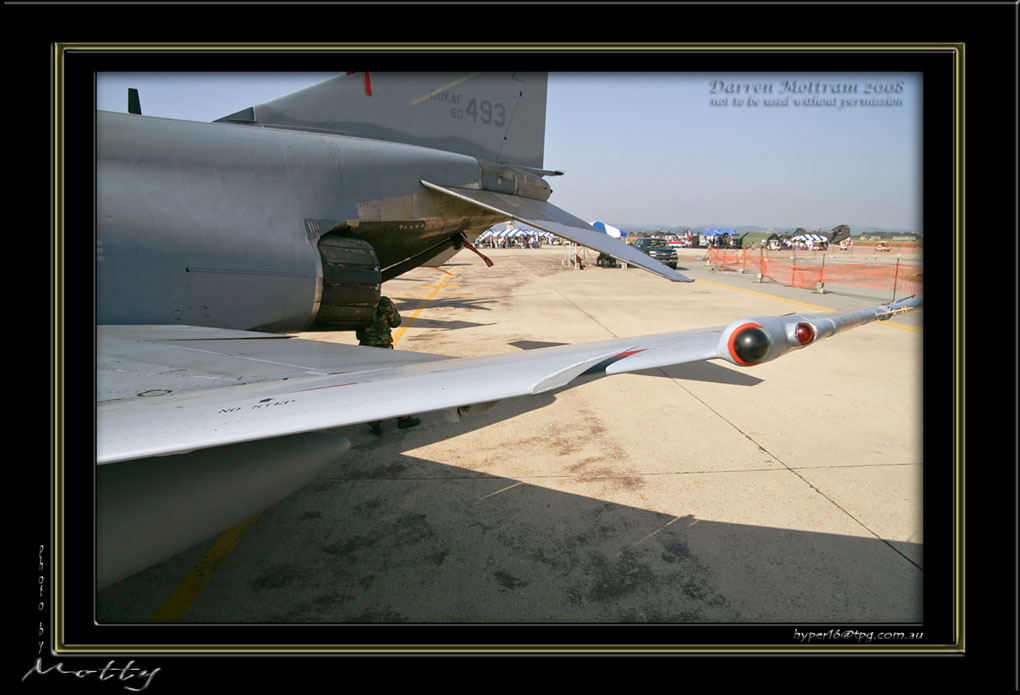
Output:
x,y
415,528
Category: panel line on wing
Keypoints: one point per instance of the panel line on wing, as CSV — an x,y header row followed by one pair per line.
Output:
x,y
256,359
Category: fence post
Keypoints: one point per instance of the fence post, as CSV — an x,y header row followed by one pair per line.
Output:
x,y
896,278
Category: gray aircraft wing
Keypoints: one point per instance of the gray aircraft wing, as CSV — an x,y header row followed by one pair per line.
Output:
x,y
200,428
166,390
548,217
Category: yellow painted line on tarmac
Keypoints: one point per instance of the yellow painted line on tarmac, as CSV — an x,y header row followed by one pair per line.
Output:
x,y
406,323
901,326
766,296
891,324
452,295
174,608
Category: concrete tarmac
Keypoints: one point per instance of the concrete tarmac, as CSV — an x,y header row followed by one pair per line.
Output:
x,y
703,493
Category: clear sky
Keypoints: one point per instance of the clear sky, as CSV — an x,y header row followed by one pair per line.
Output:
x,y
810,150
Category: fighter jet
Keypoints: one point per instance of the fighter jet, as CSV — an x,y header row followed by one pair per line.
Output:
x,y
315,198
288,216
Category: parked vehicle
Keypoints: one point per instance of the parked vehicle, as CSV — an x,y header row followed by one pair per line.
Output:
x,y
659,249
883,246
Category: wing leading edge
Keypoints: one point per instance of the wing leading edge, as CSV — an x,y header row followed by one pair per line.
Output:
x,y
550,218
355,391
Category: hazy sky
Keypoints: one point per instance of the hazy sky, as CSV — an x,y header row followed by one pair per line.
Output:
x,y
810,150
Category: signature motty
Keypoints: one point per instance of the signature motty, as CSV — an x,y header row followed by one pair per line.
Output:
x,y
127,673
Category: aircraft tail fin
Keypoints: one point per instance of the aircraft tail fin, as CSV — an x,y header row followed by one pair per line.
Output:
x,y
134,103
496,116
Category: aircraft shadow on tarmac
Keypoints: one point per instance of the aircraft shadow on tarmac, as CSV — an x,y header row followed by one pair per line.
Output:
x,y
384,537
406,306
446,325
533,344
391,545
705,371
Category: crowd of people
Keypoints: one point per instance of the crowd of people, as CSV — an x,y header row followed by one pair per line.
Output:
x,y
510,242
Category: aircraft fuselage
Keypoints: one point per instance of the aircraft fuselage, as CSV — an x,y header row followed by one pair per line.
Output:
x,y
218,224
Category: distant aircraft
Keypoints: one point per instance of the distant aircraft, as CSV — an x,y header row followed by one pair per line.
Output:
x,y
288,216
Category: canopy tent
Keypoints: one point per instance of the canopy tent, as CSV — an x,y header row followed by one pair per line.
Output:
x,y
609,229
810,237
716,237
753,240
515,232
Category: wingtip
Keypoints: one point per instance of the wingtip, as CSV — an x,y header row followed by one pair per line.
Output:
x,y
670,274
900,306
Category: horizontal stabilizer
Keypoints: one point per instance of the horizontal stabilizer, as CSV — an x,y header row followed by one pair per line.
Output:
x,y
547,217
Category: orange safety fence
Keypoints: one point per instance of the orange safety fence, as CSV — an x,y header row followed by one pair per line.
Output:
x,y
906,277
792,274
731,258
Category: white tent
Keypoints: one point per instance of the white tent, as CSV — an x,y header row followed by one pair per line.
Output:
x,y
512,232
524,232
608,229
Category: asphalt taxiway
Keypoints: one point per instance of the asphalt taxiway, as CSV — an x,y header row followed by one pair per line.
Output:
x,y
703,493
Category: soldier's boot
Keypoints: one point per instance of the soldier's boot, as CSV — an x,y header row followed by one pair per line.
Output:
x,y
408,421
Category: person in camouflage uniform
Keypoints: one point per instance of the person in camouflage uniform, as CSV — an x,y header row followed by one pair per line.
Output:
x,y
378,334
